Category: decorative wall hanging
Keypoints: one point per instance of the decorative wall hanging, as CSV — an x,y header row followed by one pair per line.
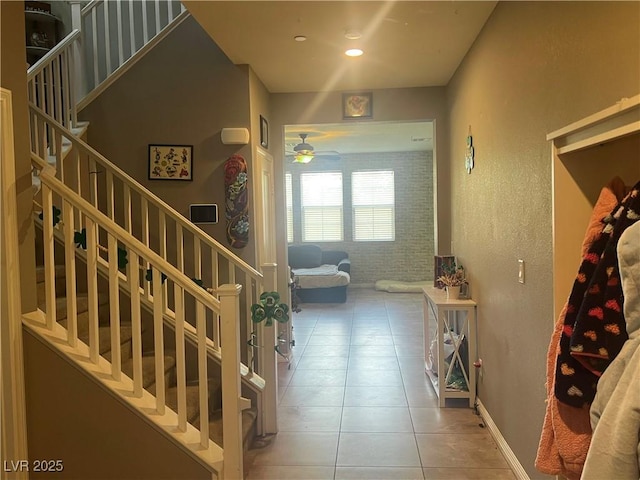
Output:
x,y
170,162
357,105
264,132
270,309
469,153
236,201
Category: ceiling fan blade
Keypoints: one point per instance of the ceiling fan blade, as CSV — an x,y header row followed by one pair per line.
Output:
x,y
327,156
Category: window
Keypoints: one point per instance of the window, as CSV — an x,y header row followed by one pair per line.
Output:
x,y
373,200
321,195
289,199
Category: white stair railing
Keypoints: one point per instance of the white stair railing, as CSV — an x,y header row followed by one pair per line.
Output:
x,y
149,219
55,83
172,292
51,84
115,34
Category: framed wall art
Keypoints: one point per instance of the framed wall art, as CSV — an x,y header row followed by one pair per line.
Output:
x,y
357,105
171,162
264,132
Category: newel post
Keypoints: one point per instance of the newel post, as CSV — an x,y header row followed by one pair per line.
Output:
x,y
269,358
76,53
231,409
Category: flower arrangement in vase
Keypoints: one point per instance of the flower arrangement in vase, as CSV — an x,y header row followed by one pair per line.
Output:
x,y
453,278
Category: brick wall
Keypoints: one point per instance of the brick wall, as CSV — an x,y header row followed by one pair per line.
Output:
x,y
410,256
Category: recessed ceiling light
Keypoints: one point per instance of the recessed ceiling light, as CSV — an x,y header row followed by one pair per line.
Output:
x,y
353,52
352,34
299,38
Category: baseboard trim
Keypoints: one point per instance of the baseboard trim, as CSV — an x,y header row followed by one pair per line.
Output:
x,y
510,457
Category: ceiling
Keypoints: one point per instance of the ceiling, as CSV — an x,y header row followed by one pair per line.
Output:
x,y
363,137
405,43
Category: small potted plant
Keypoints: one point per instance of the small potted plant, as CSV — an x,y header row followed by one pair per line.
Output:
x,y
452,278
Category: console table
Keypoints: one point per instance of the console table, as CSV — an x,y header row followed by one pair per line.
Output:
x,y
452,322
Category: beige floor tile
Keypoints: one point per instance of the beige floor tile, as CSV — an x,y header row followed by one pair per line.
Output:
x,y
376,420
358,351
378,473
304,323
407,328
411,363
416,378
372,415
367,322
317,396
371,330
459,449
377,450
374,397
370,340
309,419
329,340
332,329
420,396
335,316
322,363
407,340
284,376
445,420
410,351
327,350
373,363
310,378
297,448
468,474
374,378
264,472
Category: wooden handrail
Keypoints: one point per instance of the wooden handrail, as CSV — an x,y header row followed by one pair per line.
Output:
x,y
143,192
54,52
47,176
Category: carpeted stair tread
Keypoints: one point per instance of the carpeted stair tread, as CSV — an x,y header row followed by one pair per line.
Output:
x,y
248,420
59,273
193,397
148,368
82,302
104,332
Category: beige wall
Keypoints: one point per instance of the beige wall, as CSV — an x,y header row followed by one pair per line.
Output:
x,y
535,67
13,76
183,92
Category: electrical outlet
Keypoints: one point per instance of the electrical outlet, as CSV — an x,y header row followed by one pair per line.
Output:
x,y
520,270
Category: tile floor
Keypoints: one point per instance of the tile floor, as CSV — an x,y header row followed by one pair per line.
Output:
x,y
356,403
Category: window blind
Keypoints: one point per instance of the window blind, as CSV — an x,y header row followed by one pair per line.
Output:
x,y
373,201
321,198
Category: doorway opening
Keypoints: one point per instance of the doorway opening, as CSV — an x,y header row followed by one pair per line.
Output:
x,y
366,188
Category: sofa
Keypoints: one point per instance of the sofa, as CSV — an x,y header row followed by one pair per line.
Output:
x,y
321,276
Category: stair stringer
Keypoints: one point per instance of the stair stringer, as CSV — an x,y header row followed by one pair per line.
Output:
x,y
211,458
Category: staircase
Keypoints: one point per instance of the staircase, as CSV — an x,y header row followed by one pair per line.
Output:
x,y
172,391
128,286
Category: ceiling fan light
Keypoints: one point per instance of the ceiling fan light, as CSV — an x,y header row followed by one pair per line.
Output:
x,y
353,52
303,157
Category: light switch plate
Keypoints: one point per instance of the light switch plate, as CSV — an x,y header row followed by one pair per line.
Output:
x,y
520,270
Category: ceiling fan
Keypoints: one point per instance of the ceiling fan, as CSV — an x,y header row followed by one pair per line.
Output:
x,y
304,152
